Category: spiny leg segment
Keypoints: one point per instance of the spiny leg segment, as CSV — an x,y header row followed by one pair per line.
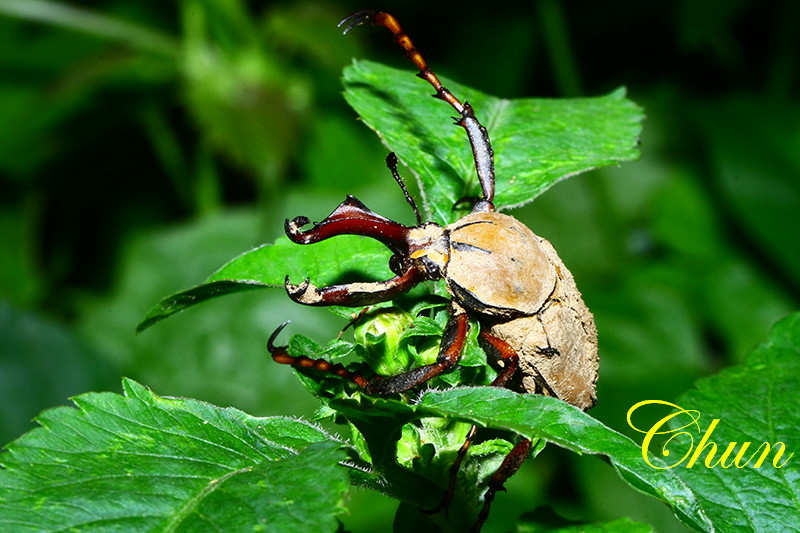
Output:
x,y
478,137
281,355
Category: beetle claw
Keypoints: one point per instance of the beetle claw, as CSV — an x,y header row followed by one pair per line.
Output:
x,y
354,19
296,291
292,227
271,348
306,293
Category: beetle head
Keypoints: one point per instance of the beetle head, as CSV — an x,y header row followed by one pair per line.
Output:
x,y
429,249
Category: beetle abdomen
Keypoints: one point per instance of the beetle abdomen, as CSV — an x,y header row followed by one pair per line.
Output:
x,y
497,266
558,345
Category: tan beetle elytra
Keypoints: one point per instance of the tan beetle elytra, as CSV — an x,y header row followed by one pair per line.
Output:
x,y
501,269
531,314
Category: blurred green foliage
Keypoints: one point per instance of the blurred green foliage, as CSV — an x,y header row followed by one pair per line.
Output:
x,y
144,143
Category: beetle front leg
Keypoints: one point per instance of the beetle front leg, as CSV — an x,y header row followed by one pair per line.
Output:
x,y
354,294
351,217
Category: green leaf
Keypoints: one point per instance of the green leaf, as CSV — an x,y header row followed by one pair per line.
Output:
x,y
570,428
536,142
544,520
268,265
278,496
754,402
141,462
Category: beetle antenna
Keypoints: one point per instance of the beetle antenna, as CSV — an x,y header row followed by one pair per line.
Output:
x,y
391,162
478,137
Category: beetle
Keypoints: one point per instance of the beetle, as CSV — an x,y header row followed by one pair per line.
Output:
x,y
497,271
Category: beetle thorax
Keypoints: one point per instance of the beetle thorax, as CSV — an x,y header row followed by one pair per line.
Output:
x,y
497,266
429,247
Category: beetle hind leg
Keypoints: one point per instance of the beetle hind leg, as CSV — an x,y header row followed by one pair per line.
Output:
x,y
510,359
508,468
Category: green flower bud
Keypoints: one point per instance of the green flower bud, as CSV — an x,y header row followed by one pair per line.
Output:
x,y
380,336
427,355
